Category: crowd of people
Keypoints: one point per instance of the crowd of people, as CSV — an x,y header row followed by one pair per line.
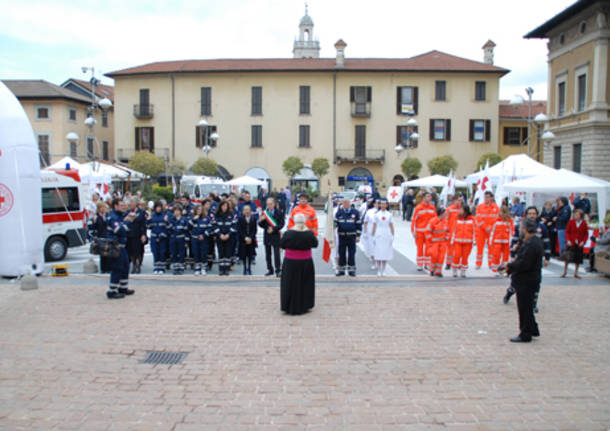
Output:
x,y
220,230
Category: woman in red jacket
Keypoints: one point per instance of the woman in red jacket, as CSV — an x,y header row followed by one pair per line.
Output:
x,y
577,233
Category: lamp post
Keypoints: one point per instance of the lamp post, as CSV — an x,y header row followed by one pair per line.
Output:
x,y
537,120
203,125
105,104
409,138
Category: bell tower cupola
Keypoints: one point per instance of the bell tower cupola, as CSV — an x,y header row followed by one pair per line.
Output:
x,y
306,46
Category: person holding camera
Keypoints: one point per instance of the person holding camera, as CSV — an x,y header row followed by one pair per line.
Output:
x,y
526,274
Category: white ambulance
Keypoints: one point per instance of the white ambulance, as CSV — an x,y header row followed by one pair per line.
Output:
x,y
198,186
64,221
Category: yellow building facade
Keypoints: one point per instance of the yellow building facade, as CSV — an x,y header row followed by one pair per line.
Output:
x,y
353,112
54,112
513,131
579,87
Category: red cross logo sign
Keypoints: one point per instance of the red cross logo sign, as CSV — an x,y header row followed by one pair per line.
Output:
x,y
394,194
6,200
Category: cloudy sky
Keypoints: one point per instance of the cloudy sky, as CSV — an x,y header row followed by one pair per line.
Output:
x,y
51,40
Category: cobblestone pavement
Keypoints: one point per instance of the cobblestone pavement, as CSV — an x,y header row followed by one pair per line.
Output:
x,y
421,356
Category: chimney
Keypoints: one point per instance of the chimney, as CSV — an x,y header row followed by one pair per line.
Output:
x,y
488,52
340,47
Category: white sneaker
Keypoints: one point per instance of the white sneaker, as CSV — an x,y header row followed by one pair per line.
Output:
x,y
463,273
373,266
197,272
455,274
203,272
378,273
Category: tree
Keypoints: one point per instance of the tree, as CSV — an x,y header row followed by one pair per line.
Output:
x,y
411,167
320,167
205,166
147,163
442,165
292,166
176,168
494,159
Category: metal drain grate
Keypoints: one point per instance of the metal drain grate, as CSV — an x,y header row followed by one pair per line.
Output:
x,y
164,358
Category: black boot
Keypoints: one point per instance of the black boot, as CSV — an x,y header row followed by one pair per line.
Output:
x,y
509,292
113,294
126,291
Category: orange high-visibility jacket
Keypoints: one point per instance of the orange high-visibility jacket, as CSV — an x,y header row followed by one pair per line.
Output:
x,y
454,211
501,232
311,219
437,231
486,215
421,217
464,230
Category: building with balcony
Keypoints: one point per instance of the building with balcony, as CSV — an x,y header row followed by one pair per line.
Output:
x,y
352,112
55,111
578,87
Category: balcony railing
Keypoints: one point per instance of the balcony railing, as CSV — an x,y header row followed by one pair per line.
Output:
x,y
354,156
124,155
361,109
143,111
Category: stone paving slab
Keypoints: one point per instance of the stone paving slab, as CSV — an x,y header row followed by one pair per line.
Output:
x,y
417,357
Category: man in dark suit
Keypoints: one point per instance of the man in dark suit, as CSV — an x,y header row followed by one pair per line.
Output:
x,y
272,222
526,273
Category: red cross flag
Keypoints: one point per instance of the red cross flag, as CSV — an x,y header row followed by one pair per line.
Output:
x,y
394,194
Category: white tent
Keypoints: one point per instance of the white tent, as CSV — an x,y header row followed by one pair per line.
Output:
x,y
96,169
563,181
515,167
246,181
61,164
433,181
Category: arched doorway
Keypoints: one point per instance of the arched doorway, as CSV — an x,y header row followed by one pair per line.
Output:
x,y
260,174
359,177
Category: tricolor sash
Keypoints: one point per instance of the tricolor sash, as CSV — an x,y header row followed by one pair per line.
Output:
x,y
269,217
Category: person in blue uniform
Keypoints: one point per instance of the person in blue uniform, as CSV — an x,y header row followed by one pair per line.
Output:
x,y
200,227
349,228
224,228
178,239
158,223
136,236
118,223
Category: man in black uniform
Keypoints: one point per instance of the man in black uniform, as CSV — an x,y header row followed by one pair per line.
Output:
x,y
525,272
349,227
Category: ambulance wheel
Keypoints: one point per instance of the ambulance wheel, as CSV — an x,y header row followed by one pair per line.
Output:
x,y
56,248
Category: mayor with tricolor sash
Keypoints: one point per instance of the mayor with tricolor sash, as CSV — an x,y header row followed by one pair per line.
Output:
x,y
272,222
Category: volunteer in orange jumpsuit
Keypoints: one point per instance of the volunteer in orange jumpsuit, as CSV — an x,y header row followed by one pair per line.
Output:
x,y
462,240
453,211
499,239
311,219
437,238
486,216
422,215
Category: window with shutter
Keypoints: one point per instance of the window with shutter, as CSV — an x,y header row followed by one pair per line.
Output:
x,y
304,136
202,138
360,145
406,100
44,147
440,130
557,157
561,98
257,100
402,136
440,90
105,150
360,98
479,130
479,92
257,136
206,101
304,104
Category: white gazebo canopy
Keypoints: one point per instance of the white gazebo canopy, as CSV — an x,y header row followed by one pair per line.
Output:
x,y
95,169
245,181
515,167
563,181
61,164
433,181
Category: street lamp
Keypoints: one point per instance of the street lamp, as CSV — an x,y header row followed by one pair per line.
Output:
x,y
203,125
105,104
538,120
409,138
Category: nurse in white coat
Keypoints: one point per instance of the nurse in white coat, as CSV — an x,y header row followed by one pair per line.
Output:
x,y
383,235
367,227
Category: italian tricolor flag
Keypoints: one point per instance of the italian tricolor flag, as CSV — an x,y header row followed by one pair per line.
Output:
x,y
272,222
